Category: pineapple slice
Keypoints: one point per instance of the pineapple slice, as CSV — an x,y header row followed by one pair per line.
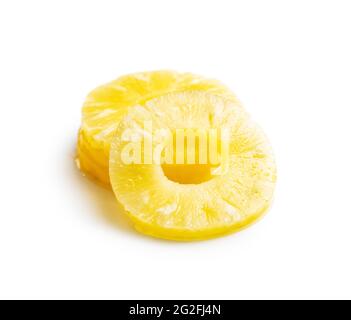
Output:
x,y
106,105
89,162
190,197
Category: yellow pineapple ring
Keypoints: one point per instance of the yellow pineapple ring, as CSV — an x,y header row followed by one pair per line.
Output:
x,y
106,105
191,201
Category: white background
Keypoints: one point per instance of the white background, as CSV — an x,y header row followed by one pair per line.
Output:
x,y
61,236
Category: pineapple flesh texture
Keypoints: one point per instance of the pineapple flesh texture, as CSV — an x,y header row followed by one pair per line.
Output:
x,y
106,106
185,203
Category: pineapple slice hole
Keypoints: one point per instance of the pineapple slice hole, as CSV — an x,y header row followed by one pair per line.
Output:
x,y
188,173
193,170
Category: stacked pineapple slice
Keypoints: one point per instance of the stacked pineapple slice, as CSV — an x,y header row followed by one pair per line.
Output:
x,y
106,106
130,140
